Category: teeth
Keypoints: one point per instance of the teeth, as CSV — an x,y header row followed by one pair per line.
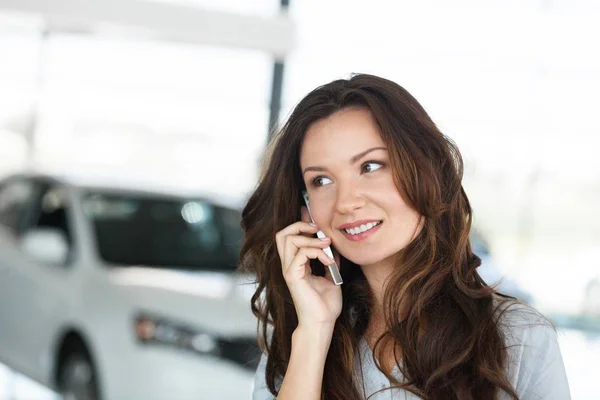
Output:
x,y
362,228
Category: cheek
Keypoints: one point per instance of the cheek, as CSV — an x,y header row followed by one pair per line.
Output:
x,y
403,216
322,213
406,226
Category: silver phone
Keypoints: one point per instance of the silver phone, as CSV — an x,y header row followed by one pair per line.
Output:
x,y
333,268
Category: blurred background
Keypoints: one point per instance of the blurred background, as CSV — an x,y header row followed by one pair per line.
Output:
x,y
131,133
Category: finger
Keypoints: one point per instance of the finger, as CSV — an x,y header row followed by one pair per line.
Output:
x,y
299,268
296,242
297,228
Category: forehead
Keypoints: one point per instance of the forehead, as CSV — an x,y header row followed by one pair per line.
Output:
x,y
340,136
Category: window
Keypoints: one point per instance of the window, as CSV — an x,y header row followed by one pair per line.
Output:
x,y
164,232
15,196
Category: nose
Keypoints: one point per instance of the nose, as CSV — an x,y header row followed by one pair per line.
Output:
x,y
349,198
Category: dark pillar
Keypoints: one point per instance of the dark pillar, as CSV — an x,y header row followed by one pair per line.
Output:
x,y
277,86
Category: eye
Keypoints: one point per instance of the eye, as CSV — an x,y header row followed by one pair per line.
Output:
x,y
371,166
321,181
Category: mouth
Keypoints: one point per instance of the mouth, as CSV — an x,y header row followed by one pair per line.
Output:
x,y
361,232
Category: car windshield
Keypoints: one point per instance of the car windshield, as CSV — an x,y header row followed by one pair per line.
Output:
x,y
164,232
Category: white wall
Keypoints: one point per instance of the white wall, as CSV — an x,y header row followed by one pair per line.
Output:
x,y
515,84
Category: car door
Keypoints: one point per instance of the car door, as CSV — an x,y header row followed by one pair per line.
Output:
x,y
39,293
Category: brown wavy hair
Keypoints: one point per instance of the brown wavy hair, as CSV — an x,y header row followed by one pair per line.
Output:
x,y
449,337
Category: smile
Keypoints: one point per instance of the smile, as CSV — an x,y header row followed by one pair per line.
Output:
x,y
362,228
361,232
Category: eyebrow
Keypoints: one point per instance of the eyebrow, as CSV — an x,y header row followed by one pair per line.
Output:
x,y
353,160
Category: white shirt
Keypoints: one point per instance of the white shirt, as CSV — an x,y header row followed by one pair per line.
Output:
x,y
535,366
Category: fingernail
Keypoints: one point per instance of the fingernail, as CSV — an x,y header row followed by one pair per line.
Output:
x,y
325,239
312,224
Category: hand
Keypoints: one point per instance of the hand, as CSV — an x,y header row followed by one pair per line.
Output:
x,y
318,301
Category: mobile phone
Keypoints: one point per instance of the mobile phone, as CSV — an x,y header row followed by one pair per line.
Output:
x,y
333,268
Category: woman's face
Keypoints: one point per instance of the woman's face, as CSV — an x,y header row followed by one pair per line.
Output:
x,y
353,198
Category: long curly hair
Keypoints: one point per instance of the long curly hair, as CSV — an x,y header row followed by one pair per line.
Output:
x,y
450,340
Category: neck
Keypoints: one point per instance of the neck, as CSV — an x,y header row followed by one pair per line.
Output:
x,y
377,276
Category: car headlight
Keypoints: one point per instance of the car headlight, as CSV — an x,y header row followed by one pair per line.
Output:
x,y
150,329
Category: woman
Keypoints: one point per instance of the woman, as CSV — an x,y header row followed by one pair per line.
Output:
x,y
413,319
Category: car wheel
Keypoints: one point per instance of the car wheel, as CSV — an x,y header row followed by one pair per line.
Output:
x,y
77,378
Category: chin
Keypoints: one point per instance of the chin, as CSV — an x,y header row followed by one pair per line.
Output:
x,y
365,259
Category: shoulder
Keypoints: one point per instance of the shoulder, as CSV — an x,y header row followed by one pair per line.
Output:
x,y
534,362
517,320
526,332
529,337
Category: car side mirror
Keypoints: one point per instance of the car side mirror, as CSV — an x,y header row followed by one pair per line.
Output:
x,y
46,245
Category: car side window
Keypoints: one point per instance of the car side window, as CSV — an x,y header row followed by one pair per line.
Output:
x,y
214,236
230,224
164,232
223,256
200,236
15,198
